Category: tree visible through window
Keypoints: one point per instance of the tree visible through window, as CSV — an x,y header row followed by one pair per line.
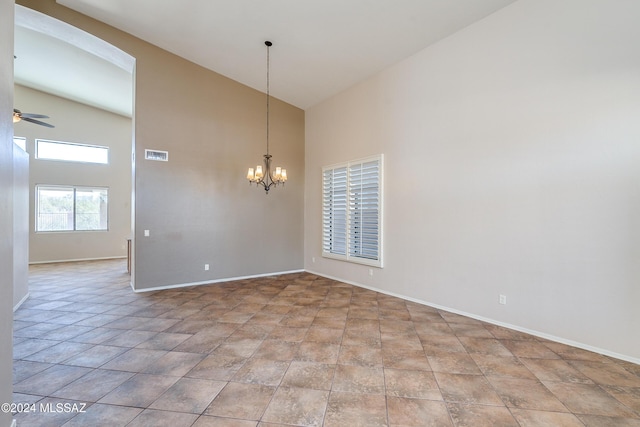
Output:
x,y
352,211
61,208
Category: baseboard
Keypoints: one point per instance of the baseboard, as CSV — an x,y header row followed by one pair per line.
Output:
x,y
210,282
492,321
76,260
17,306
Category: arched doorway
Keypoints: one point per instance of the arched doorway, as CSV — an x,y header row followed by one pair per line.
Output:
x,y
77,78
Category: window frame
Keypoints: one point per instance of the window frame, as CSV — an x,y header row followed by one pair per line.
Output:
x,y
38,156
74,189
338,192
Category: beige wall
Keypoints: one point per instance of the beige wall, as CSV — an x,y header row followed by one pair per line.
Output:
x,y
79,123
199,207
511,155
6,208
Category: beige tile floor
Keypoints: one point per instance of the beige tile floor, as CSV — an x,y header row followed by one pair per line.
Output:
x,y
292,350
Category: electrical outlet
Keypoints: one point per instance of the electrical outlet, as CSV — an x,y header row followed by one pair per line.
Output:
x,y
503,299
371,272
313,259
206,267
146,233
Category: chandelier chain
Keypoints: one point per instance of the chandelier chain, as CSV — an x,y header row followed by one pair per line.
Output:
x,y
268,67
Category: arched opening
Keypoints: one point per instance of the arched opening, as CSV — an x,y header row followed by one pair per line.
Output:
x,y
86,87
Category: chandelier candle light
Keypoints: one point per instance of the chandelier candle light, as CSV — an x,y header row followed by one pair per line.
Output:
x,y
266,177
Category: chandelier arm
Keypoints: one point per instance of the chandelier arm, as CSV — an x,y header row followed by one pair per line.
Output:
x,y
266,186
268,176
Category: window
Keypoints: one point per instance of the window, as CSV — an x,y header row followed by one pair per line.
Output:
x,y
71,152
60,208
352,211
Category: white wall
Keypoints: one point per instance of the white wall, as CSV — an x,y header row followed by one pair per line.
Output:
x,y
511,155
75,122
6,208
20,226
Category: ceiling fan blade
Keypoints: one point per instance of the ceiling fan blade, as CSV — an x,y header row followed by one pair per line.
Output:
x,y
33,116
38,122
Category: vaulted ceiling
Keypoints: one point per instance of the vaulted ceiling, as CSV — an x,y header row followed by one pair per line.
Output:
x,y
320,47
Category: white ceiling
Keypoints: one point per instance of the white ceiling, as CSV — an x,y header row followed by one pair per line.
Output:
x,y
51,64
320,47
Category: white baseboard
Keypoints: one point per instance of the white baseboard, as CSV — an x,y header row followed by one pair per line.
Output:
x,y
493,322
209,282
17,306
76,260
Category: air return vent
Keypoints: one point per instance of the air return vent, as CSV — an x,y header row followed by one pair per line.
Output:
x,y
162,156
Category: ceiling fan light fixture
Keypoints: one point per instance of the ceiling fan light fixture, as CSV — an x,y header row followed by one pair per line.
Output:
x,y
19,116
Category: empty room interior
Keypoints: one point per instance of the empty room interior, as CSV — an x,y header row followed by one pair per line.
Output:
x,y
320,213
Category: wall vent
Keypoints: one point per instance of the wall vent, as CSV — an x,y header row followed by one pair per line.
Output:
x,y
162,156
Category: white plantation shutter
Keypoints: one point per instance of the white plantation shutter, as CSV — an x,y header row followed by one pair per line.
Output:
x,y
364,210
334,211
352,211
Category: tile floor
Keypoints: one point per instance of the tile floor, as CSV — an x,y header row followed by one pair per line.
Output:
x,y
292,350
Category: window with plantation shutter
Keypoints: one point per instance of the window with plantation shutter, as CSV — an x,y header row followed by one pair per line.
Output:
x,y
352,211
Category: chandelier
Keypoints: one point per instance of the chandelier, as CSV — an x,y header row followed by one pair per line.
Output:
x,y
266,177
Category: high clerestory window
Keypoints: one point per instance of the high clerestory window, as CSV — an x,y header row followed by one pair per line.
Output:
x,y
352,211
71,152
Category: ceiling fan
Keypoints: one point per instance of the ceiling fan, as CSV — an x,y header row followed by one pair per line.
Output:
x,y
30,117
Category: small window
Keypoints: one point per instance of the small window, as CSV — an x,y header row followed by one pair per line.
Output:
x,y
71,152
21,142
62,208
352,211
